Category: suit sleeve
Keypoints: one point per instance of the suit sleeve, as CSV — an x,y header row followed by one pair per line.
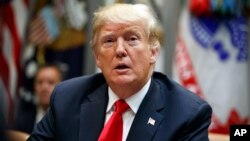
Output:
x,y
197,127
45,129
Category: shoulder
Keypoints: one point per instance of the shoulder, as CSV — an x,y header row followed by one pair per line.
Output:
x,y
177,95
86,82
190,110
90,80
77,88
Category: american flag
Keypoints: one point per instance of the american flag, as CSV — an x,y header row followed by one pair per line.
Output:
x,y
13,18
43,27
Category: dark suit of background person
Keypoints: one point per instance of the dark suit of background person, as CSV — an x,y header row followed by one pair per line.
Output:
x,y
2,126
125,44
28,114
26,117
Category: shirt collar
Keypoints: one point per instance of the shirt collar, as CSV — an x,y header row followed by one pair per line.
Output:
x,y
133,101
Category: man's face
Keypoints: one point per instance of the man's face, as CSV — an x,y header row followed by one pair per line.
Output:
x,y
124,55
46,79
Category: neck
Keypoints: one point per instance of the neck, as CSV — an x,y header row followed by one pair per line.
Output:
x,y
123,92
44,107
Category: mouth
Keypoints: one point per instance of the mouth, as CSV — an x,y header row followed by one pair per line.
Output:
x,y
121,67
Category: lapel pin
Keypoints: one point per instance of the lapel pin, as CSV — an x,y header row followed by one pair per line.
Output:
x,y
151,121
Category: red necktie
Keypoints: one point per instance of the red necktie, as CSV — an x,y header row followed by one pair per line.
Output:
x,y
113,128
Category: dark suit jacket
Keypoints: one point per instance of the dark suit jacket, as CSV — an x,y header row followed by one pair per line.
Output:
x,y
25,118
3,125
78,106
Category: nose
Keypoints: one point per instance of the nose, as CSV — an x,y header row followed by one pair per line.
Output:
x,y
45,85
120,48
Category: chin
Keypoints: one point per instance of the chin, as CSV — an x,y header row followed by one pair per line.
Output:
x,y
123,80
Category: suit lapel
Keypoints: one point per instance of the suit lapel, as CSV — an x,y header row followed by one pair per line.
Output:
x,y
148,118
93,111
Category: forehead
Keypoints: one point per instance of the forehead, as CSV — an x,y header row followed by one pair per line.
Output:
x,y
49,71
110,28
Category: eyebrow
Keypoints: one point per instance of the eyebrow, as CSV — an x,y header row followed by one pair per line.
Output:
x,y
106,33
133,29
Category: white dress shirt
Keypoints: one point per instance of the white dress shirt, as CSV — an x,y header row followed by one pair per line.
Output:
x,y
133,101
39,114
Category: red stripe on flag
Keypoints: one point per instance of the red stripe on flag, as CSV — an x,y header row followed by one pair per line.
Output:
x,y
185,69
26,2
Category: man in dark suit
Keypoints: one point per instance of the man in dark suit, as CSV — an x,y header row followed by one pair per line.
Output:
x,y
126,42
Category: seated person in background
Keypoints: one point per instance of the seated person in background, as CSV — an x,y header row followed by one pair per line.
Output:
x,y
127,100
47,76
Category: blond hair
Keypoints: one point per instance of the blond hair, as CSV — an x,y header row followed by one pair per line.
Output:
x,y
128,13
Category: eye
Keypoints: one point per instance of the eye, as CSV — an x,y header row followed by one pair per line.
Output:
x,y
133,40
39,82
51,82
108,41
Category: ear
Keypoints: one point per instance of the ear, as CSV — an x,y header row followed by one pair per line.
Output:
x,y
96,55
154,54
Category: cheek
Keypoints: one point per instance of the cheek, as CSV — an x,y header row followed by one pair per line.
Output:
x,y
51,88
105,58
38,87
142,57
141,63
